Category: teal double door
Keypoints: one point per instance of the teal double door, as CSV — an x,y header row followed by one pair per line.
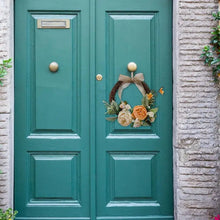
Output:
x,y
70,163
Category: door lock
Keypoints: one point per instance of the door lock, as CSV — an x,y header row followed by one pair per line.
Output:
x,y
99,77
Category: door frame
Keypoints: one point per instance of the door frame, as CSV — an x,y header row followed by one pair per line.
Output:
x,y
175,60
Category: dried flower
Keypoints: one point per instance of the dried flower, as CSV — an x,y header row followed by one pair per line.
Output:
x,y
140,112
161,91
128,107
150,114
122,105
124,118
137,123
152,120
149,96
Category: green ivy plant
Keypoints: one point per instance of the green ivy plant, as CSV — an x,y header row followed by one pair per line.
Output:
x,y
8,214
211,52
4,66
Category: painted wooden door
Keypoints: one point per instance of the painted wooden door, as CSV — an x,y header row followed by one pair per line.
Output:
x,y
70,163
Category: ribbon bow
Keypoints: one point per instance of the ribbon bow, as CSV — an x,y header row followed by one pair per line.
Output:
x,y
126,81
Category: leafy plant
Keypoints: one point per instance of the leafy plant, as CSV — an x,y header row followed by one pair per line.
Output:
x,y
8,214
112,108
6,64
211,53
145,101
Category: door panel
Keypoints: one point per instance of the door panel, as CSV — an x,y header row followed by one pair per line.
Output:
x,y
124,29
136,162
51,119
62,47
64,147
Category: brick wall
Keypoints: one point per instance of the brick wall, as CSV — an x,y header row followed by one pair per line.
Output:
x,y
196,112
197,144
6,137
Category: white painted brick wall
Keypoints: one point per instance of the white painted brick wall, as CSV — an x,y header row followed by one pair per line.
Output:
x,y
197,138
196,113
5,107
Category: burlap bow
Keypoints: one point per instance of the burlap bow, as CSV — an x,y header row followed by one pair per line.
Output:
x,y
137,80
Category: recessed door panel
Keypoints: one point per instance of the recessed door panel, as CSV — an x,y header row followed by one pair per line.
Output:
x,y
54,90
47,185
130,35
126,185
57,90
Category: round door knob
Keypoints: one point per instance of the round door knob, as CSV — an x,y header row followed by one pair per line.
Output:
x,y
99,77
132,66
53,67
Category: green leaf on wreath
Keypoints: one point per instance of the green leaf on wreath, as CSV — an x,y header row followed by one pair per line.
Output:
x,y
145,101
154,110
115,106
111,119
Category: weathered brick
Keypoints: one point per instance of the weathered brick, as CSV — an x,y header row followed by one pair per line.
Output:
x,y
198,191
5,103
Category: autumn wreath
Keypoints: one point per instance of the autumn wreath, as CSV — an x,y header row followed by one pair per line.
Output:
x,y
140,115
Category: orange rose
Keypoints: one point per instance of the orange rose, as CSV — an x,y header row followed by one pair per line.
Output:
x,y
140,112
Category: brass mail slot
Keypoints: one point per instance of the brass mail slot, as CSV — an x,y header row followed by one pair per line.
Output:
x,y
53,23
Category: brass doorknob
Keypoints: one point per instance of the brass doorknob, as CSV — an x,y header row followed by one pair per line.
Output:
x,y
53,67
132,67
99,77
